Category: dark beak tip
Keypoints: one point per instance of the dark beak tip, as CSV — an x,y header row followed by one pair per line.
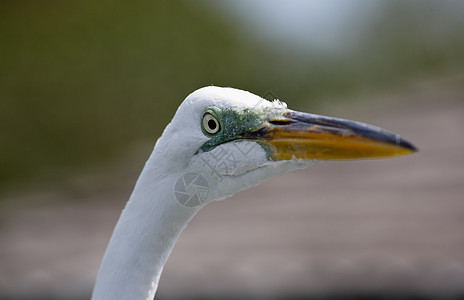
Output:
x,y
413,148
408,145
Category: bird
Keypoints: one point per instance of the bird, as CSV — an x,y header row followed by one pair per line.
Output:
x,y
220,141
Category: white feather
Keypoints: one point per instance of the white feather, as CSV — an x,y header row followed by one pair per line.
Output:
x,y
154,218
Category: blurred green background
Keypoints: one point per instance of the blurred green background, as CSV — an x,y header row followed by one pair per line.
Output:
x,y
80,81
86,87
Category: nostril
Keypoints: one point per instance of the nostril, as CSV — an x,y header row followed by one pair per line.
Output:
x,y
281,122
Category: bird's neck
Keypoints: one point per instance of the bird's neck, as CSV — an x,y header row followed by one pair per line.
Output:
x,y
143,238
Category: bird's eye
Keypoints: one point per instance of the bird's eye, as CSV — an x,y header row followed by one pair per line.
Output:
x,y
211,124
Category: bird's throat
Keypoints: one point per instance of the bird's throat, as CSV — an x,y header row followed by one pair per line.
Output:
x,y
141,243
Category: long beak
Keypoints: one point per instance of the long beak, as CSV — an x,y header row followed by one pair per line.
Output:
x,y
295,134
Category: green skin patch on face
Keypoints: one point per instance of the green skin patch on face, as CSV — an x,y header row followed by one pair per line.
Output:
x,y
236,123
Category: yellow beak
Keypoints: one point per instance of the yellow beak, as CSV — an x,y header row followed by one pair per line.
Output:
x,y
301,135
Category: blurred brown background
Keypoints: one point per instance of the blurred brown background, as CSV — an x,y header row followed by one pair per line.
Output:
x,y
87,87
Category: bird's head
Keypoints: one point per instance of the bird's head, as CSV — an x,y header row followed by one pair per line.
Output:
x,y
226,140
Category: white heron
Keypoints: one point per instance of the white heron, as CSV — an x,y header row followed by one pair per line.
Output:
x,y
220,141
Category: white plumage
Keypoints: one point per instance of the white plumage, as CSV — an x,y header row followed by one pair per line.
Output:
x,y
190,167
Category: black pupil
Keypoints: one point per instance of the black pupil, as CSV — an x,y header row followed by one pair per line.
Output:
x,y
212,124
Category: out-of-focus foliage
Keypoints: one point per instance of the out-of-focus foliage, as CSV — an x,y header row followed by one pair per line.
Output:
x,y
81,80
402,40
